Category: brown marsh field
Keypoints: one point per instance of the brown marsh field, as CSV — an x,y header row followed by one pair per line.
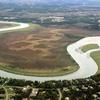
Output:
x,y
40,51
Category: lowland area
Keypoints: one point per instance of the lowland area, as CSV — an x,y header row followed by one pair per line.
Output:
x,y
40,49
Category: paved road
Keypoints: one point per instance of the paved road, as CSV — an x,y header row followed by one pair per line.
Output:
x,y
6,92
60,94
88,66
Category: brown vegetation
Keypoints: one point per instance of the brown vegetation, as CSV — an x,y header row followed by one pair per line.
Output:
x,y
43,48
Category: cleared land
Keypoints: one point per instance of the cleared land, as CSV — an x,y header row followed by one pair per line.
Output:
x,y
89,47
96,57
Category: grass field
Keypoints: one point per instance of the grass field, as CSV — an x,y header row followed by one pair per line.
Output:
x,y
41,73
96,57
89,47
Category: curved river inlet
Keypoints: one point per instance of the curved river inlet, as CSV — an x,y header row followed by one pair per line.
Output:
x,y
88,66
20,26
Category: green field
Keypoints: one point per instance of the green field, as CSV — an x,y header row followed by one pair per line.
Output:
x,y
40,73
89,47
96,57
